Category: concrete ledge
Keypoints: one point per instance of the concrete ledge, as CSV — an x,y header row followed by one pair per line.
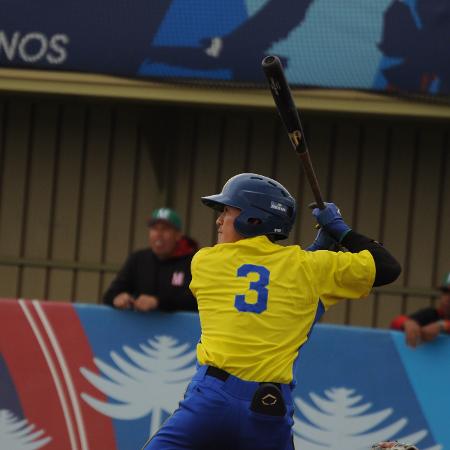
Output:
x,y
104,86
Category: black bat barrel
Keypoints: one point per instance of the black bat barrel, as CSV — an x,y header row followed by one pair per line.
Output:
x,y
282,95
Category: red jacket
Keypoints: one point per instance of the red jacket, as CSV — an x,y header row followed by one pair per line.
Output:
x,y
422,317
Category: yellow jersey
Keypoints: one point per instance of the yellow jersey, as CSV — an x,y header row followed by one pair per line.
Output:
x,y
258,302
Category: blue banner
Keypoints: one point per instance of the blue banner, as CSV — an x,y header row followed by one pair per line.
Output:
x,y
396,46
90,377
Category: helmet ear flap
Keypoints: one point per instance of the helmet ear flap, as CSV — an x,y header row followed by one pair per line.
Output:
x,y
248,224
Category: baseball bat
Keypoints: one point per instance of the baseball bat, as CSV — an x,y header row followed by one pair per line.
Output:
x,y
284,102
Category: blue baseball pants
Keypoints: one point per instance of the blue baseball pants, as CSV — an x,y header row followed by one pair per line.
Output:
x,y
216,415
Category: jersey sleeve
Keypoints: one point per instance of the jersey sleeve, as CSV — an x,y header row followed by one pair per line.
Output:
x,y
342,275
194,271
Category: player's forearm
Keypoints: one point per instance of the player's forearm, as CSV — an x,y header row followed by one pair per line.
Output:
x,y
387,267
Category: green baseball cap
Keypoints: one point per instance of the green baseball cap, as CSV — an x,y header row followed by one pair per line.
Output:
x,y
165,215
445,286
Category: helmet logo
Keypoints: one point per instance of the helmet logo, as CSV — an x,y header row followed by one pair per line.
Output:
x,y
278,206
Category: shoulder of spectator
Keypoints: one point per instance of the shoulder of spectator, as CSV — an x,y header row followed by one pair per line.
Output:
x,y
192,243
440,312
141,252
186,246
138,255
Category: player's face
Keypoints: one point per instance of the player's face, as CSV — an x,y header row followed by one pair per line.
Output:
x,y
163,238
445,303
226,232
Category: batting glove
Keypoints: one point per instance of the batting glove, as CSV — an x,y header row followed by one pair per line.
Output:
x,y
323,241
331,221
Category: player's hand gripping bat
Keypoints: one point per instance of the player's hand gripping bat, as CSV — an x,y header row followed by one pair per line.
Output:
x,y
289,115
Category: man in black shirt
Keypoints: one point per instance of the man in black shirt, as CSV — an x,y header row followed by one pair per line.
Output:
x,y
157,277
426,324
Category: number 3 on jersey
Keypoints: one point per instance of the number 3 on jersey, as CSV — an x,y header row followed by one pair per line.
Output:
x,y
259,286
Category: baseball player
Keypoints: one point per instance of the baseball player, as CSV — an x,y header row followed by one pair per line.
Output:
x,y
258,302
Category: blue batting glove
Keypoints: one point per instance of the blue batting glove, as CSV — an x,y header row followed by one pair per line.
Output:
x,y
331,221
323,241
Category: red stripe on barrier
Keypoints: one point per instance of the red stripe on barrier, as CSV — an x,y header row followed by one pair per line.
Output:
x,y
77,353
31,374
44,345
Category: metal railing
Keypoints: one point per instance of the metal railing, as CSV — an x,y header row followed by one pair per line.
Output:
x,y
112,268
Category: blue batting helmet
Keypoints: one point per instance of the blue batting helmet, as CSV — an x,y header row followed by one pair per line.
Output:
x,y
258,197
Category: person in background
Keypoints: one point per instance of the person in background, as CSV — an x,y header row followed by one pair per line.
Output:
x,y
426,324
158,277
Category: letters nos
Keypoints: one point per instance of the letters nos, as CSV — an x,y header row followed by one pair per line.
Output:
x,y
33,47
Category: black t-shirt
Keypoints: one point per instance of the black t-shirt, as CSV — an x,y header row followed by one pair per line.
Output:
x,y
426,316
